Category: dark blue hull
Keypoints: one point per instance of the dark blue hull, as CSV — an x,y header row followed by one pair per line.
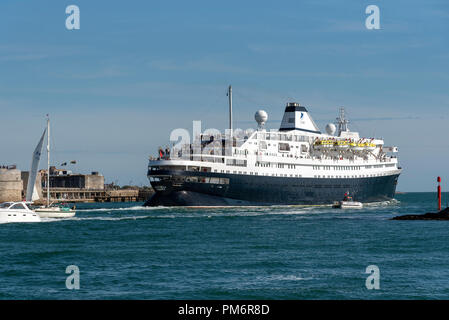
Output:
x,y
186,188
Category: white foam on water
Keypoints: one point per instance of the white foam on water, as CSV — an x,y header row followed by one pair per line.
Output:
x,y
141,212
135,208
108,218
281,277
391,202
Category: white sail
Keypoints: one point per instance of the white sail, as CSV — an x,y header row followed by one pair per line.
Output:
x,y
35,195
34,166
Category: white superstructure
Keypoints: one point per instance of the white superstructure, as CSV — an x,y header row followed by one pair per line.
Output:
x,y
298,149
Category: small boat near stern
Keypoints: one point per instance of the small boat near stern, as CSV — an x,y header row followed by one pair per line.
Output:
x,y
347,203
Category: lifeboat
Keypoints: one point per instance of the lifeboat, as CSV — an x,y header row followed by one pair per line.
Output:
x,y
328,144
342,144
359,147
323,144
318,145
370,146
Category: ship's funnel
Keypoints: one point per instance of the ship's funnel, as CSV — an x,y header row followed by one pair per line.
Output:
x,y
296,117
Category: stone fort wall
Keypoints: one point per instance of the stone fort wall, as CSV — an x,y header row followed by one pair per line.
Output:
x,y
11,185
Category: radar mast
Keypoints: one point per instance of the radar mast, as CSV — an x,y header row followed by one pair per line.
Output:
x,y
342,123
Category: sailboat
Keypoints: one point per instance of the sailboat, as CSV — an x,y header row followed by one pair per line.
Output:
x,y
50,210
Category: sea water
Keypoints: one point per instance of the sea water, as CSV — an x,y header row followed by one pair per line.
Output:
x,y
126,251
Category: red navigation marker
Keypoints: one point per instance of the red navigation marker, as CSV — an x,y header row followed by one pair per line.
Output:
x,y
439,193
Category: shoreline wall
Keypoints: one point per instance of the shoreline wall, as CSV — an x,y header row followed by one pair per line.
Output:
x,y
11,185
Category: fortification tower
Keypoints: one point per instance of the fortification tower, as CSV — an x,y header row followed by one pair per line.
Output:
x,y
11,184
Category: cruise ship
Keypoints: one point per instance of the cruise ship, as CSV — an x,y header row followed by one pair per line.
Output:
x,y
295,165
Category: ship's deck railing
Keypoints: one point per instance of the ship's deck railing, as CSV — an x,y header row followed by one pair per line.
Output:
x,y
241,137
220,141
282,137
243,156
215,150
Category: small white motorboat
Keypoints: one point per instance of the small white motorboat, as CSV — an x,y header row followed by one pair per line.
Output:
x,y
348,203
17,212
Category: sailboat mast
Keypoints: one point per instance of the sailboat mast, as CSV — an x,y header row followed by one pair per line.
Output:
x,y
230,110
48,160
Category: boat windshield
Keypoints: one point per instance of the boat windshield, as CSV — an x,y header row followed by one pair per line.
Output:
x,y
5,205
18,206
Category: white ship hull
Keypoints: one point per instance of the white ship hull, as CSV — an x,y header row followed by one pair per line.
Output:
x,y
9,213
55,213
8,217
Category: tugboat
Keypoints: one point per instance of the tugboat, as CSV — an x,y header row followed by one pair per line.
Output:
x,y
347,203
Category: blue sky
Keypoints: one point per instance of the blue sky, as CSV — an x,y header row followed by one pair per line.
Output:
x,y
138,69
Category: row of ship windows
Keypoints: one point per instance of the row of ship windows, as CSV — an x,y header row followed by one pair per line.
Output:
x,y
351,176
182,179
275,165
377,166
282,146
281,137
262,174
298,175
243,163
338,168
